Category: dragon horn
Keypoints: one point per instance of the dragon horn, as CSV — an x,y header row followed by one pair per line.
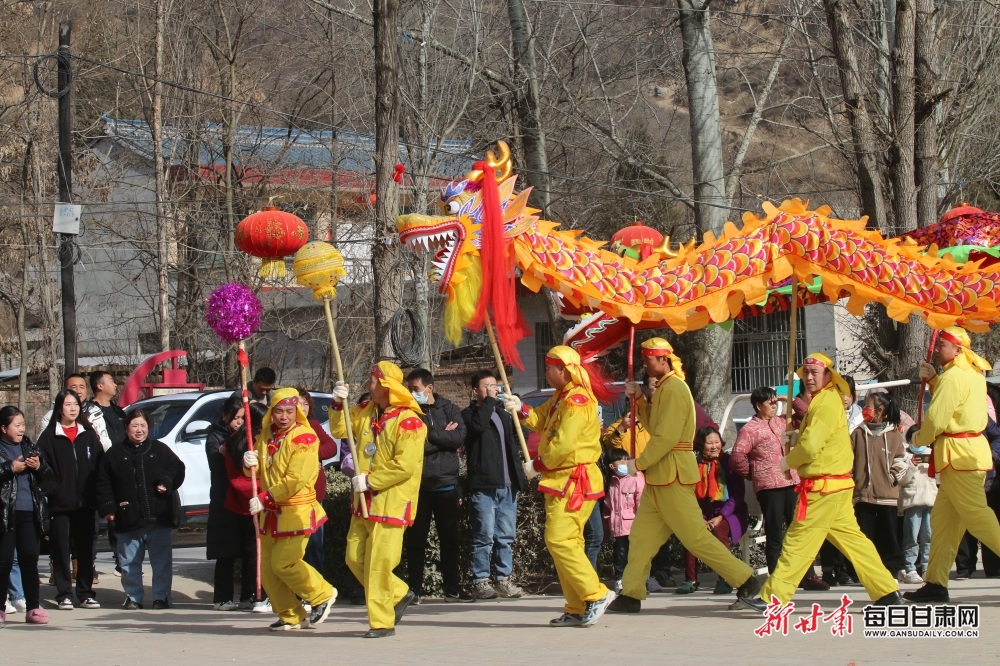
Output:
x,y
501,167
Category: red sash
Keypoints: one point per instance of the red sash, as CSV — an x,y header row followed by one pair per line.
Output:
x,y
931,471
805,486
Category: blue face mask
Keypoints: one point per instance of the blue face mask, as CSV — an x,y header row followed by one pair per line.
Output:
x,y
420,397
622,470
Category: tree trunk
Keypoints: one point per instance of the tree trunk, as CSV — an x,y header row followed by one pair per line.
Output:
x,y
529,105
904,194
926,148
862,130
710,355
387,270
162,246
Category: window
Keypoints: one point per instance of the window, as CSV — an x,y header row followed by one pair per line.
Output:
x,y
760,350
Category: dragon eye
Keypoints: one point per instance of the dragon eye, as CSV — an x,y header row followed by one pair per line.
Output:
x,y
453,207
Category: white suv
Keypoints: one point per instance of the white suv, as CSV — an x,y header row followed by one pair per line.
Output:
x,y
181,421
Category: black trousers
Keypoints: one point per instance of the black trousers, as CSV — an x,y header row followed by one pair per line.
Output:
x,y
72,534
777,505
620,558
26,539
880,524
444,507
225,567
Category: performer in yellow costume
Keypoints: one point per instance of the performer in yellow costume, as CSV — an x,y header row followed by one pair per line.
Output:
x,y
953,423
287,456
824,459
390,446
568,453
668,503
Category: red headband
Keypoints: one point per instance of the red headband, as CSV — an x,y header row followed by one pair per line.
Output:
x,y
809,360
288,401
648,351
377,372
948,337
549,360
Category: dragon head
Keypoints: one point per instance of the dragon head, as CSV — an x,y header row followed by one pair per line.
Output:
x,y
454,236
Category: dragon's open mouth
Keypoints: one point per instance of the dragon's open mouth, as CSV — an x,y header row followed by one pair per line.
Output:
x,y
443,239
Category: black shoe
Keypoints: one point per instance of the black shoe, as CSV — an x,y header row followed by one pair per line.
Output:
x,y
830,579
931,592
131,605
749,593
160,604
625,604
963,575
320,612
416,600
844,578
379,633
891,599
462,597
281,625
400,608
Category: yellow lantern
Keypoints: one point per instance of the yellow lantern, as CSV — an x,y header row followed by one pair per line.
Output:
x,y
319,266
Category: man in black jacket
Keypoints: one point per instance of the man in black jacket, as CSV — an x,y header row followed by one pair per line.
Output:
x,y
440,493
496,475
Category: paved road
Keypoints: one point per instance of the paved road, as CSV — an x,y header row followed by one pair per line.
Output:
x,y
685,630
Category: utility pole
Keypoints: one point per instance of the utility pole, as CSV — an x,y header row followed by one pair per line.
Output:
x,y
64,170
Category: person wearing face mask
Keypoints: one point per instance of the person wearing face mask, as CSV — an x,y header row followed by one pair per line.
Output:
x,y
879,466
720,493
440,492
622,501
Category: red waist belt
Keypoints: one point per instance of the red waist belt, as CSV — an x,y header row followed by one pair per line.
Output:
x,y
805,486
580,481
931,471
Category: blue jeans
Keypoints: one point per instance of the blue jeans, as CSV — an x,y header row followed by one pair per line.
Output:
x,y
593,534
916,538
315,556
132,547
493,519
15,591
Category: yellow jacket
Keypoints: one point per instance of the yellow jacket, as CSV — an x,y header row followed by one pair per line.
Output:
x,y
570,437
612,439
824,447
670,421
395,467
288,466
958,405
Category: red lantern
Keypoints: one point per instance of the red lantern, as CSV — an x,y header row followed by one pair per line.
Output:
x,y
272,235
958,211
639,237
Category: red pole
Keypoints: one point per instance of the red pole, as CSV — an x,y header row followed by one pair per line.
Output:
x,y
923,384
631,378
247,423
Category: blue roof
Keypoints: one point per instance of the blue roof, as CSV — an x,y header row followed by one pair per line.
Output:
x,y
280,147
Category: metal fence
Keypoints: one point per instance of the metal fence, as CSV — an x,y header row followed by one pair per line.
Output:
x,y
760,350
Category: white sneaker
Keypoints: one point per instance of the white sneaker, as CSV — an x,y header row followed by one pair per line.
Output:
x,y
21,605
262,606
225,606
90,603
911,577
65,604
618,586
10,610
305,606
652,585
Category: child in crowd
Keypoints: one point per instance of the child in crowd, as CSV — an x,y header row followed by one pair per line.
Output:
x,y
917,493
621,504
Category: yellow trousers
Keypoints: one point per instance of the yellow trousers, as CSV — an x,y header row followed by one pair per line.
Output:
x,y
673,509
830,517
373,551
564,539
286,577
960,506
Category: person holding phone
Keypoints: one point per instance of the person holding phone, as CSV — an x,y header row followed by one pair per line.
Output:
x,y
23,514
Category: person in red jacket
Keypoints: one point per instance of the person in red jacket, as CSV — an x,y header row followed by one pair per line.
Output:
x,y
328,448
